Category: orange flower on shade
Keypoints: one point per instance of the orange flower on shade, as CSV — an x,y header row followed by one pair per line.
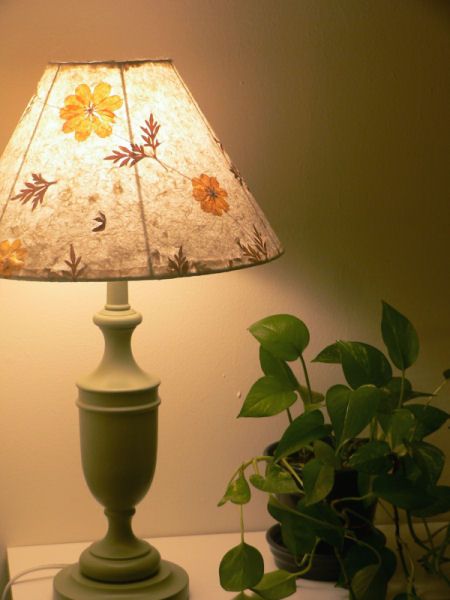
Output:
x,y
211,196
12,257
88,111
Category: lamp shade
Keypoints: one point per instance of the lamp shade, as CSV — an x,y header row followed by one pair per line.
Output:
x,y
114,173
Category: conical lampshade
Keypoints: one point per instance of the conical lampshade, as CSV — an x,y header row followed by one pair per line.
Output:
x,y
114,173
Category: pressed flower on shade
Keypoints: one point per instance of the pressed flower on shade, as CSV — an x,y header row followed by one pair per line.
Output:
x,y
12,257
211,196
87,112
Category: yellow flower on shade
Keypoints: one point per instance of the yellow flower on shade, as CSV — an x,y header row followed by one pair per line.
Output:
x,y
12,257
211,196
88,111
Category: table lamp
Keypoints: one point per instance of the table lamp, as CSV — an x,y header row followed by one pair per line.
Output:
x,y
113,174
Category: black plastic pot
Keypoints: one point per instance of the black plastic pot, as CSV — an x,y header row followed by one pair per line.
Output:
x,y
325,566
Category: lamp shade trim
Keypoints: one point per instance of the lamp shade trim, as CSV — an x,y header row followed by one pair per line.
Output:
x,y
114,173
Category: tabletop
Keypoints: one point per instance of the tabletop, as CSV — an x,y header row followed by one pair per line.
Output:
x,y
200,555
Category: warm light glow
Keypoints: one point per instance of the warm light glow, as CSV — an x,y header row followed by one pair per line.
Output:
x,y
114,173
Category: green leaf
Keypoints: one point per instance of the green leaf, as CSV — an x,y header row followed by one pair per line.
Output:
x,y
352,410
362,581
241,568
324,521
337,399
428,419
238,491
364,364
267,397
401,492
394,392
276,481
430,460
359,556
284,336
298,537
331,354
400,337
318,480
318,518
372,458
276,367
440,505
398,428
304,430
326,454
317,397
276,585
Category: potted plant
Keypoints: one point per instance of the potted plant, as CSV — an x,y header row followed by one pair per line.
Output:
x,y
373,438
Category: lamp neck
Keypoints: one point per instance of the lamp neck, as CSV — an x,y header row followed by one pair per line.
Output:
x,y
117,295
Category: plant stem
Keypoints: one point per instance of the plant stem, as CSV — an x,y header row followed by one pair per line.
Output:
x,y
373,429
242,522
351,499
434,550
413,533
399,542
345,574
289,414
305,372
248,463
385,510
292,471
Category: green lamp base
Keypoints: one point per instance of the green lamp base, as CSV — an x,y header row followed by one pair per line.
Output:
x,y
171,582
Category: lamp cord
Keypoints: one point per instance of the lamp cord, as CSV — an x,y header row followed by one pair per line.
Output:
x,y
22,573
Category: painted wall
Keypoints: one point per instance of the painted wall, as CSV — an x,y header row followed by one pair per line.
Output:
x,y
337,113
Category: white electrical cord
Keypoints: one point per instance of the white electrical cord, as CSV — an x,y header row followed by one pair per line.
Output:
x,y
22,573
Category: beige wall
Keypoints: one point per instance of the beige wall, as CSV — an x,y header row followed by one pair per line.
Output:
x,y
337,112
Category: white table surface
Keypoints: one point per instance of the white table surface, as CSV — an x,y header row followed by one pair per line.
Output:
x,y
200,555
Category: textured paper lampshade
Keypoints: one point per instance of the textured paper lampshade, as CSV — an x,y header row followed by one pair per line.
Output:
x,y
114,173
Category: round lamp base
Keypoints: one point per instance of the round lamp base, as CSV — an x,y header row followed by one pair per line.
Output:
x,y
170,583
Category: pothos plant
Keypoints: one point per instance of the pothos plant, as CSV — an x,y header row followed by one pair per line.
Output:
x,y
394,464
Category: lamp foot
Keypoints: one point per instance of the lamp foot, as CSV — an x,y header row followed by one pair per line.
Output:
x,y
171,582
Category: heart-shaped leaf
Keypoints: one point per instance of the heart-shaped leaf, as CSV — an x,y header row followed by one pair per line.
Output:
x,y
267,397
331,354
400,337
241,568
326,454
352,410
372,458
276,585
320,519
297,535
430,460
398,428
428,419
271,365
318,480
238,491
440,505
304,430
276,481
401,492
363,580
364,364
284,336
